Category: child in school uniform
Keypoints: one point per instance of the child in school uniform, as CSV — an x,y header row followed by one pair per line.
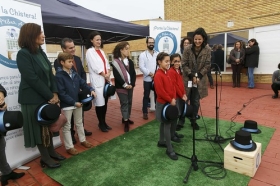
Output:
x,y
166,93
181,97
69,84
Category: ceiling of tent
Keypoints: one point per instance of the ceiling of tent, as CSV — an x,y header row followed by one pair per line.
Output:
x,y
231,39
63,18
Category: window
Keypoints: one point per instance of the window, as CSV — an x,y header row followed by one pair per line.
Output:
x,y
135,57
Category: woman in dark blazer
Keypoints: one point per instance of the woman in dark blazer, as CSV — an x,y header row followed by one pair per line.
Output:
x,y
7,173
237,55
125,77
37,86
252,60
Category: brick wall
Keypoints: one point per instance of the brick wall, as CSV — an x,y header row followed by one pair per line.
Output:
x,y
213,15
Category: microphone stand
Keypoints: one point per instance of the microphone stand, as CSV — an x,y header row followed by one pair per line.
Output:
x,y
217,138
194,159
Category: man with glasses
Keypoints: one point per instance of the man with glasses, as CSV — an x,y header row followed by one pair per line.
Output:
x,y
147,64
68,46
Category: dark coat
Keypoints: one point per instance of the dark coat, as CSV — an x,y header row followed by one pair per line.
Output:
x,y
79,64
69,88
233,57
119,82
33,88
252,56
200,65
219,58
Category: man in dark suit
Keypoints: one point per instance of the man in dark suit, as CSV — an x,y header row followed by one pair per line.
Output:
x,y
67,45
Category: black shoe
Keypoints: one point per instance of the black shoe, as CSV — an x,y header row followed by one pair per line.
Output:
x,y
274,96
87,133
129,121
196,126
172,155
179,135
126,126
102,128
163,145
74,140
108,127
12,176
55,165
58,157
145,116
175,139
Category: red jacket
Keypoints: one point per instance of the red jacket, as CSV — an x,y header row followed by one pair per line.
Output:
x,y
177,80
164,87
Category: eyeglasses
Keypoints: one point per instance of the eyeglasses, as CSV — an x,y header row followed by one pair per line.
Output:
x,y
151,42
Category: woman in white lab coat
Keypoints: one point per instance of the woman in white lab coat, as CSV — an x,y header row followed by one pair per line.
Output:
x,y
99,74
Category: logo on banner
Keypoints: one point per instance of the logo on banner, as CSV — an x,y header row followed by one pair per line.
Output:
x,y
12,26
166,42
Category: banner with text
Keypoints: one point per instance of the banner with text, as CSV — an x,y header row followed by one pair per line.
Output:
x,y
13,14
167,35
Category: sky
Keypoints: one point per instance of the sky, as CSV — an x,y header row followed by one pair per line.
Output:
x,y
126,10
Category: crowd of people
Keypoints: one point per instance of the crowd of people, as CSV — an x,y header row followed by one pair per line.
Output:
x,y
176,80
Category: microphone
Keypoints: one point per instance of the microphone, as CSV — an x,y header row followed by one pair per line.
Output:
x,y
219,70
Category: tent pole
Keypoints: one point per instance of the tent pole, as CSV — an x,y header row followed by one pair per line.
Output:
x,y
82,48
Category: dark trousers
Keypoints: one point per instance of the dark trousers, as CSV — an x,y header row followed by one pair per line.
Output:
x,y
210,78
73,124
146,99
275,87
236,70
4,165
194,98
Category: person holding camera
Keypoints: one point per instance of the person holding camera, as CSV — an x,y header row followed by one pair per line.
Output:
x,y
7,173
276,82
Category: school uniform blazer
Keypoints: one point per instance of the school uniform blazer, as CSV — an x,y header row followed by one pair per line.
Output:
x,y
177,80
33,88
164,87
96,66
79,64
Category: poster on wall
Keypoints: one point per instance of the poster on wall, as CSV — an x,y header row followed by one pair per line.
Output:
x,y
167,35
14,14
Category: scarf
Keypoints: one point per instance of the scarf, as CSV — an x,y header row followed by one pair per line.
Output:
x,y
119,66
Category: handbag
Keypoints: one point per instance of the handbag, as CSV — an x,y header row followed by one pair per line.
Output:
x,y
56,126
229,60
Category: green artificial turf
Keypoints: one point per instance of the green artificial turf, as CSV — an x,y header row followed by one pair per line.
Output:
x,y
133,159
